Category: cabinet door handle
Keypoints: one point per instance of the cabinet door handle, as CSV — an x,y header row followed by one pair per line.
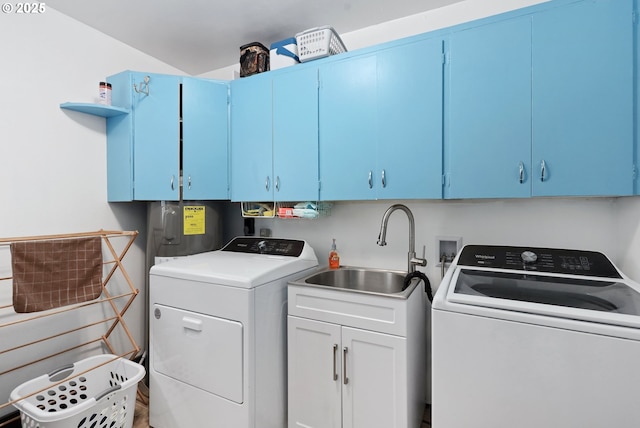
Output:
x,y
277,183
521,167
543,169
384,179
370,179
267,183
173,177
335,363
345,379
189,182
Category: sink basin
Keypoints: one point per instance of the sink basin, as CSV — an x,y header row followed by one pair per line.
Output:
x,y
366,280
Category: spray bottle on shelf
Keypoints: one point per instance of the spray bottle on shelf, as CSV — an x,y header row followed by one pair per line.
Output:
x,y
334,258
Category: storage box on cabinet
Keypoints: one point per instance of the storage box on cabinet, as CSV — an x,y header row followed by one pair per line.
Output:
x,y
177,132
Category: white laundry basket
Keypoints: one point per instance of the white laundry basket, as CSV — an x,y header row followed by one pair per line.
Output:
x,y
319,42
103,397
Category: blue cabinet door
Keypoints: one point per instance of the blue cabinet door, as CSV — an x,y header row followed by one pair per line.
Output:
x,y
251,139
348,128
488,138
156,136
295,135
120,141
409,141
583,99
204,139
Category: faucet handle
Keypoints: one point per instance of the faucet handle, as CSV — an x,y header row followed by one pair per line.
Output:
x,y
420,261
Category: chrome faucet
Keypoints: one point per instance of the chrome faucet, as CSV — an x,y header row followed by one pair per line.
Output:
x,y
412,259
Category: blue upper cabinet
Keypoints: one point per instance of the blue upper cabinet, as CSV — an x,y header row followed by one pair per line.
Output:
x,y
142,147
274,136
542,104
583,95
381,124
251,139
205,147
348,128
145,148
295,135
409,137
488,104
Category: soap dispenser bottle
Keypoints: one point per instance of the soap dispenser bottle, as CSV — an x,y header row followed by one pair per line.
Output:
x,y
334,258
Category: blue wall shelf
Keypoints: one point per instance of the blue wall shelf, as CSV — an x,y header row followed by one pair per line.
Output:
x,y
95,109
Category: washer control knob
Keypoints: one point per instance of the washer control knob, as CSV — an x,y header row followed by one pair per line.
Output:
x,y
529,257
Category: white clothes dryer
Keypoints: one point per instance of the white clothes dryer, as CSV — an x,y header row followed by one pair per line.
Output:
x,y
218,334
535,337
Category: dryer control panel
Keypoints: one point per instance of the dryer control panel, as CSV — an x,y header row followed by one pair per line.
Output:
x,y
551,260
267,246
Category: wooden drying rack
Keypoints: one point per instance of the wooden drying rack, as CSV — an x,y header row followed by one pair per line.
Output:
x,y
115,261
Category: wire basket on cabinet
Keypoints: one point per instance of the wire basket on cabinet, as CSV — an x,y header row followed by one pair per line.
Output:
x,y
97,392
318,42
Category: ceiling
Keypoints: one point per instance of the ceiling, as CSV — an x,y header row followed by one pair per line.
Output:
x,y
198,36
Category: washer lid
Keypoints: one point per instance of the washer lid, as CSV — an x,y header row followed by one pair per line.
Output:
x,y
611,301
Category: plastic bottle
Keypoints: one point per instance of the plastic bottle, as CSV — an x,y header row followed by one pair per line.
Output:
x,y
104,93
334,258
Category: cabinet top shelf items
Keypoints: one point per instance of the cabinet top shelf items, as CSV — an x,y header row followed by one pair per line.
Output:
x,y
95,109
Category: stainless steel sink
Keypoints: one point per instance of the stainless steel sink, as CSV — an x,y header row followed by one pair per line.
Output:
x,y
364,280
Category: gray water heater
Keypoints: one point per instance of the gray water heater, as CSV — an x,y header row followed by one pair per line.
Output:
x,y
183,228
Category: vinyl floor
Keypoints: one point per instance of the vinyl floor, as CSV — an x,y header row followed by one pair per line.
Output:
x,y
141,417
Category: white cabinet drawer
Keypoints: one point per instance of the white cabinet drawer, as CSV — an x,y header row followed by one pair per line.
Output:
x,y
369,312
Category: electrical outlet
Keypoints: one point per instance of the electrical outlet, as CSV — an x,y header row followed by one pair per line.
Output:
x,y
265,232
447,248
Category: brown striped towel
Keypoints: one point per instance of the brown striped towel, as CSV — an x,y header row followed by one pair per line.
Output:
x,y
53,273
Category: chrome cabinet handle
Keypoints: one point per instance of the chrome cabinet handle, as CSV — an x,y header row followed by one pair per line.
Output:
x,y
189,183
384,179
543,168
345,379
267,183
277,183
335,357
370,179
521,172
173,177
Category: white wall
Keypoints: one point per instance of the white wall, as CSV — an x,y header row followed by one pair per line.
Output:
x,y
52,161
409,26
560,222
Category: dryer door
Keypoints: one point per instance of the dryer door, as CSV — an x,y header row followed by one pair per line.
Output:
x,y
199,350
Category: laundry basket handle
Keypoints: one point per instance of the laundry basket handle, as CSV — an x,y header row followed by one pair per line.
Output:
x,y
61,372
107,392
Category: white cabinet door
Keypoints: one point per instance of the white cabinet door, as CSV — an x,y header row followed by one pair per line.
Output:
x,y
375,366
314,364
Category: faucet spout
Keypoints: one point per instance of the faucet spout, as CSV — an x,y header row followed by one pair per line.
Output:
x,y
382,237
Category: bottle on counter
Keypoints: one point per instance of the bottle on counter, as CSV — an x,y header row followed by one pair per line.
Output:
x,y
334,258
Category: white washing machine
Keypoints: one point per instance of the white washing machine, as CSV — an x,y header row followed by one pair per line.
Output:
x,y
218,334
535,337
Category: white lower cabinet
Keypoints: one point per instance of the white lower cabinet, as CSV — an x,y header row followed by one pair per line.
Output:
x,y
345,377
